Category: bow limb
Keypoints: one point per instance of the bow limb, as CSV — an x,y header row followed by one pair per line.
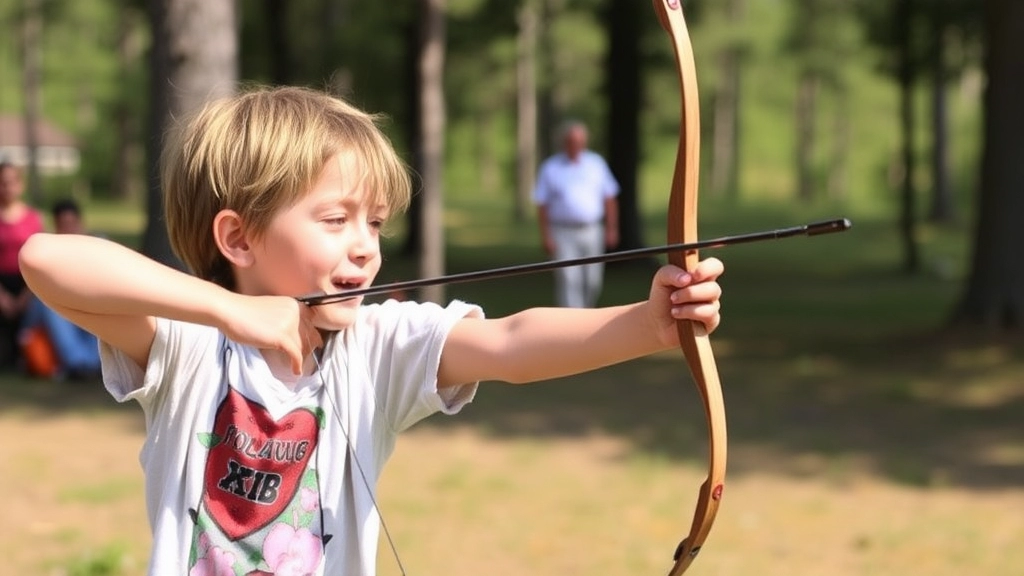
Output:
x,y
693,337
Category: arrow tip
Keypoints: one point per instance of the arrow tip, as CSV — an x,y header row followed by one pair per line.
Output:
x,y
829,226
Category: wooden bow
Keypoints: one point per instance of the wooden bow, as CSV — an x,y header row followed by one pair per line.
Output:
x,y
693,338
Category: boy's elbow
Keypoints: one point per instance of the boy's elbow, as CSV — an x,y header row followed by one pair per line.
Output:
x,y
34,255
28,255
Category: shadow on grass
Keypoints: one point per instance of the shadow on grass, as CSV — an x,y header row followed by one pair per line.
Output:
x,y
45,398
805,413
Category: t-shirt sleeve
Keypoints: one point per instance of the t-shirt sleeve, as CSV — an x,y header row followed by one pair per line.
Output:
x,y
402,343
177,347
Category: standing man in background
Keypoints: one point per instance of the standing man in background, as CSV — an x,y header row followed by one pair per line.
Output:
x,y
578,215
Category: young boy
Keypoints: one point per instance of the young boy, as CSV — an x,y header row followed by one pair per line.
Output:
x,y
268,421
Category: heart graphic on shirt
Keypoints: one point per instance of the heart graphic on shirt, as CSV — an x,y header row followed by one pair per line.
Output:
x,y
255,464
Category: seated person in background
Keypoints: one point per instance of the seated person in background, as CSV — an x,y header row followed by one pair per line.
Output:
x,y
74,353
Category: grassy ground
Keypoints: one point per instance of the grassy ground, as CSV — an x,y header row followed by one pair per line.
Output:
x,y
864,437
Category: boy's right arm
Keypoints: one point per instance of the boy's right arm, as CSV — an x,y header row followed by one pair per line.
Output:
x,y
117,293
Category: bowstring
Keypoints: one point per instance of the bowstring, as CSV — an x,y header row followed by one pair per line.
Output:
x,y
359,467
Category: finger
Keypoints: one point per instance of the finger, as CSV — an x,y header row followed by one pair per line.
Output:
x,y
708,313
708,269
671,275
697,293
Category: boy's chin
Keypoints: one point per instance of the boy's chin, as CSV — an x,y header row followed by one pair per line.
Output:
x,y
334,318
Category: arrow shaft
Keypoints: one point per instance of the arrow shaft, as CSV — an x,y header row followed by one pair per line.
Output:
x,y
814,229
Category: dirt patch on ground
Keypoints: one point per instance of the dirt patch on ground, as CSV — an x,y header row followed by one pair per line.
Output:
x,y
75,490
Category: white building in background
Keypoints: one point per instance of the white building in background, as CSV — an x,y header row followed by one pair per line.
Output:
x,y
56,153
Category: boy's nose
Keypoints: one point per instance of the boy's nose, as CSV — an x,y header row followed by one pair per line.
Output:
x,y
364,244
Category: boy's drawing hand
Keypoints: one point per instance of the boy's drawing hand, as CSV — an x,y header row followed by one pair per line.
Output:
x,y
680,295
277,323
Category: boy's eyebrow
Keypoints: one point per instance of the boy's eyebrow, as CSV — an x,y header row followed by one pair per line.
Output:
x,y
352,199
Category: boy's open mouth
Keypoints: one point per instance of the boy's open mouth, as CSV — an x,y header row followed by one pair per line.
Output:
x,y
344,285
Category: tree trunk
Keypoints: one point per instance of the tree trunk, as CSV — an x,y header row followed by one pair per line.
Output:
x,y
489,175
86,113
128,155
194,59
837,180
726,126
277,37
526,109
548,111
994,293
333,14
32,52
432,116
412,245
908,209
726,109
806,105
623,85
943,208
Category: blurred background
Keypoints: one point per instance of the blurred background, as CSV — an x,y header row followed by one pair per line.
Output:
x,y
872,379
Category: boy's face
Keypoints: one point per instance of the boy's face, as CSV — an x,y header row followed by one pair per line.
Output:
x,y
327,242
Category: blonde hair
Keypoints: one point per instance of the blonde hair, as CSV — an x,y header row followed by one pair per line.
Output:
x,y
259,152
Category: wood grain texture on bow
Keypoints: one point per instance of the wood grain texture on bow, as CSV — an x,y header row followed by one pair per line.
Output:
x,y
693,338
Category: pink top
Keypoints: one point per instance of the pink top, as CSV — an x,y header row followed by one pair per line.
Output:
x,y
13,236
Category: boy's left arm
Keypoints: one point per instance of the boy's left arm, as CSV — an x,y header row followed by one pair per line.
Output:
x,y
543,343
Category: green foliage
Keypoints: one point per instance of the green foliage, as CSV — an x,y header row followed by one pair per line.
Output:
x,y
83,83
362,48
957,23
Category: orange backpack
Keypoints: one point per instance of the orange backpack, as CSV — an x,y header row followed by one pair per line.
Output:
x,y
40,358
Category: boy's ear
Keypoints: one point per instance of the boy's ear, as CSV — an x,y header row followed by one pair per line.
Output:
x,y
229,233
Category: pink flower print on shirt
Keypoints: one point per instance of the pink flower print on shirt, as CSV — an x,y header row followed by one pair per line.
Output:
x,y
216,562
203,545
309,500
292,552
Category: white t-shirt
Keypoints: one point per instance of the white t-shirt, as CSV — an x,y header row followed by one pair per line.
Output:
x,y
244,474
574,191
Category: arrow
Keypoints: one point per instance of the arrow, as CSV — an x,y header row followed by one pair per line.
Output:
x,y
813,229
